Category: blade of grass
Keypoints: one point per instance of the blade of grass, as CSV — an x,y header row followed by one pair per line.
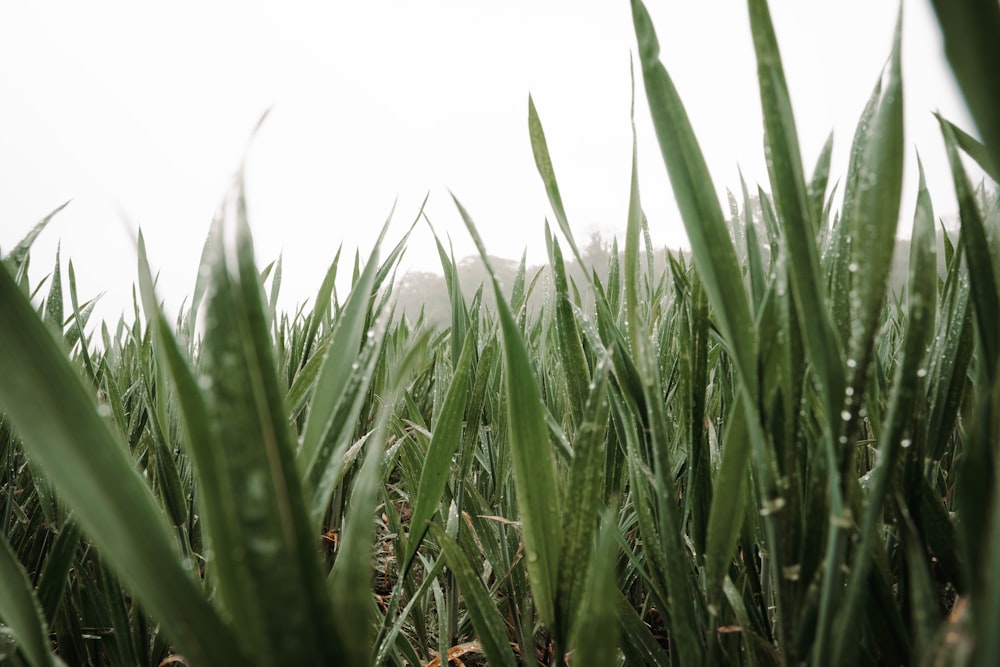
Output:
x,y
682,598
16,257
795,215
290,617
982,272
318,442
62,431
920,303
446,437
485,617
570,348
726,516
596,640
534,462
540,150
583,492
55,574
971,29
216,498
20,610
974,149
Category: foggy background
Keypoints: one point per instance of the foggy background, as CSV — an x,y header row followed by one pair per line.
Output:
x,y
141,115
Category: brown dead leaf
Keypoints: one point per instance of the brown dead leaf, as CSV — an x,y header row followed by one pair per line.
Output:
x,y
456,652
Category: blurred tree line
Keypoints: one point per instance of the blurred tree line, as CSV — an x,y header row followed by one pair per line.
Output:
x,y
428,291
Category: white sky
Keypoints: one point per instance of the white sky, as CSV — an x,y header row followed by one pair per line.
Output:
x,y
146,109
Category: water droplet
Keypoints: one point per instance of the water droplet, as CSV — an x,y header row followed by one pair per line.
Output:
x,y
852,267
103,409
852,363
532,556
205,382
845,520
922,373
849,391
905,444
355,366
771,506
846,415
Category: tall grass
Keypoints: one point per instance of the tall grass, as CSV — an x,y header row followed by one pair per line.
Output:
x,y
757,455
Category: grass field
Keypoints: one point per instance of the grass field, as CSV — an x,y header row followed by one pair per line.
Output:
x,y
758,456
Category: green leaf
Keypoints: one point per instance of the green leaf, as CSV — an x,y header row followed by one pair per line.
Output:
x,y
54,302
16,258
321,308
596,640
727,514
58,420
909,371
584,491
795,214
216,499
485,617
319,442
819,181
971,29
570,349
20,611
445,440
978,254
872,218
55,573
974,149
534,463
168,480
540,150
289,618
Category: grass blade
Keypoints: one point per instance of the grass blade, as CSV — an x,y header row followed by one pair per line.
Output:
x,y
979,255
596,640
16,257
20,610
534,462
682,598
795,214
922,285
584,492
318,441
540,150
726,516
971,29
289,618
62,431
447,435
974,149
711,246
485,617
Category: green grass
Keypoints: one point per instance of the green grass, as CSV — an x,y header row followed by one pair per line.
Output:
x,y
757,454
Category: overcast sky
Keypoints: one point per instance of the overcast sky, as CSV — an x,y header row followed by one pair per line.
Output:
x,y
142,112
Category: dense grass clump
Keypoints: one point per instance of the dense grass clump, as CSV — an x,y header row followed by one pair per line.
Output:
x,y
757,455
